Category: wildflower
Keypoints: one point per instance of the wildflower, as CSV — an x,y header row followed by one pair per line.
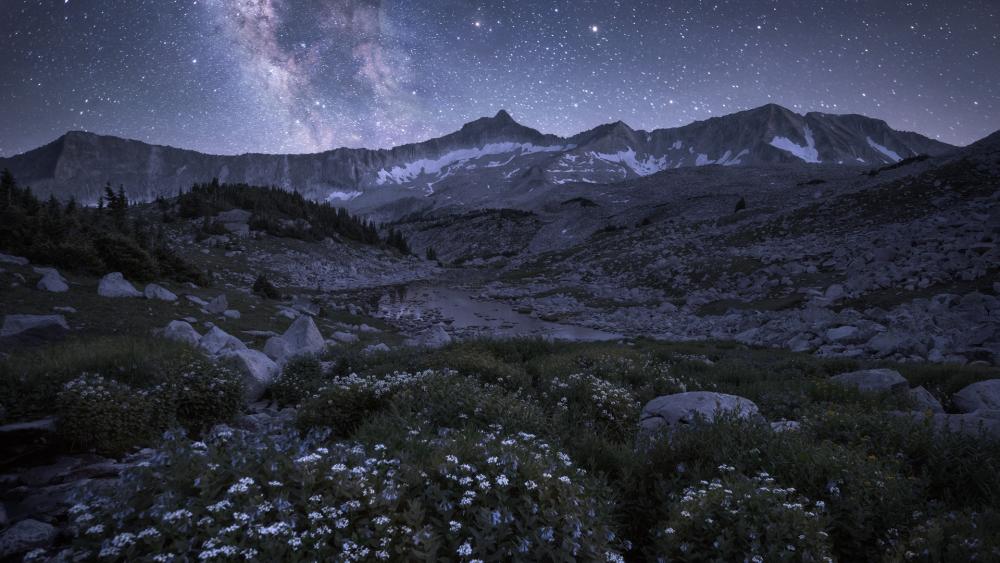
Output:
x,y
176,515
95,529
464,550
241,486
530,485
502,480
564,479
454,526
148,533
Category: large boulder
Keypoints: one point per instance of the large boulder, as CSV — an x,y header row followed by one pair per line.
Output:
x,y
218,305
258,372
18,325
154,291
433,337
218,341
984,395
182,331
302,337
51,280
872,381
924,401
115,285
25,536
670,412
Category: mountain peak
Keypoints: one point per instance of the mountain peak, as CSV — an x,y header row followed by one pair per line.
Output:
x,y
502,115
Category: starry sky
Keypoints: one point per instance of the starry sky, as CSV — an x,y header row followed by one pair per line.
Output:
x,y
291,76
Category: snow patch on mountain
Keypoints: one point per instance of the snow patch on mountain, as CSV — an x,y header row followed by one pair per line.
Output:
x,y
412,170
649,165
807,153
889,153
342,196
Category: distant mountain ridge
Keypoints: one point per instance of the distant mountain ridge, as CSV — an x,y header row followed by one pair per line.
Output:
x,y
485,157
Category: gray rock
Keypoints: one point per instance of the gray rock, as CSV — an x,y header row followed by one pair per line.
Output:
x,y
16,324
25,536
231,314
305,305
381,347
277,348
258,372
15,260
218,305
923,400
115,285
302,337
345,337
154,291
433,337
842,333
182,331
47,474
68,310
669,412
196,300
872,381
217,341
51,280
834,292
786,426
984,395
888,343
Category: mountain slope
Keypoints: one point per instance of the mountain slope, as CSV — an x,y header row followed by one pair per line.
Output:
x,y
490,160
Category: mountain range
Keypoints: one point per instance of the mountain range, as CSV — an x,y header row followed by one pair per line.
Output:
x,y
490,158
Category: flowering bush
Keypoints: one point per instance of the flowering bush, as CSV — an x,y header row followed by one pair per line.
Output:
x,y
955,536
300,377
589,400
465,497
736,518
454,401
203,393
345,402
107,416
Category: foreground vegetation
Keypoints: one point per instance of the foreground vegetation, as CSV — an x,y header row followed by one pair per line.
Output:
x,y
528,449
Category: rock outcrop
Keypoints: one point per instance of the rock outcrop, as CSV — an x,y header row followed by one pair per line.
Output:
x,y
115,285
670,412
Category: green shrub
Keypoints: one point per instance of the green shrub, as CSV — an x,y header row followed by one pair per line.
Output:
x,y
588,402
109,417
954,536
344,403
866,496
203,394
737,518
31,379
301,377
482,495
449,400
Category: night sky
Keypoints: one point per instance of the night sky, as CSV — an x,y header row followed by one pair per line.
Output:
x,y
232,76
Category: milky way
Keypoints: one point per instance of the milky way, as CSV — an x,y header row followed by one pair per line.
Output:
x,y
232,76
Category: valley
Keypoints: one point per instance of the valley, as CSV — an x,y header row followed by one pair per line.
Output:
x,y
567,353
